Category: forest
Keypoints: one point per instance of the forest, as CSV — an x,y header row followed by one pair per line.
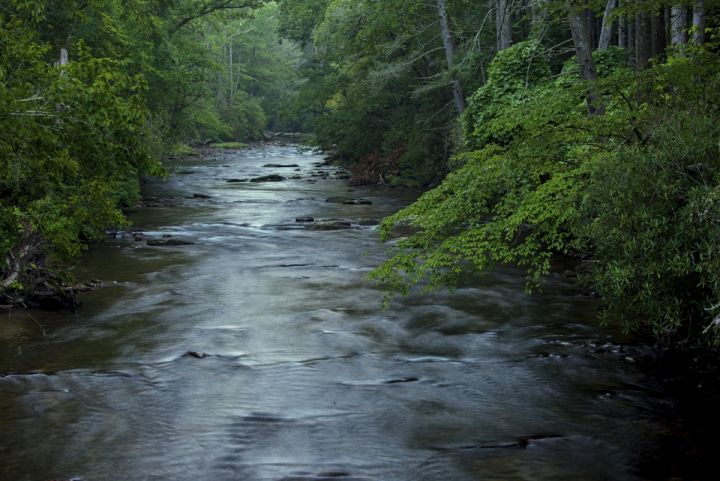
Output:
x,y
538,130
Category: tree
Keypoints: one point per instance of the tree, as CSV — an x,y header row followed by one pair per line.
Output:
x,y
607,24
699,22
503,23
449,54
678,20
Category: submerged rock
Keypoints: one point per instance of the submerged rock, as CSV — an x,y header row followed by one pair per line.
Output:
x,y
281,166
200,196
348,201
233,181
305,219
329,225
269,178
196,354
169,242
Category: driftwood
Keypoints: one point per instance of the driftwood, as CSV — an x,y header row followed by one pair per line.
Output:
x,y
25,281
19,256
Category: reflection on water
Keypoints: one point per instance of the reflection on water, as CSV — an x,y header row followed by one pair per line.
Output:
x,y
260,352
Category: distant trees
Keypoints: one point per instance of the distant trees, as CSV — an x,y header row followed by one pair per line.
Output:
x,y
95,93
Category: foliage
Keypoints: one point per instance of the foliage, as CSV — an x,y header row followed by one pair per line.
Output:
x,y
637,188
510,75
142,78
378,78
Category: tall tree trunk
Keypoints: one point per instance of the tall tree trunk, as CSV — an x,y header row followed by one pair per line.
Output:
x,y
622,29
503,24
643,48
449,54
582,41
607,23
631,37
678,22
589,18
657,27
699,22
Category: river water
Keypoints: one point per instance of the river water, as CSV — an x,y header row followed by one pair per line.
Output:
x,y
297,373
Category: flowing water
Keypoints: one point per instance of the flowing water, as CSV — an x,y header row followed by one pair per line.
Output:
x,y
261,352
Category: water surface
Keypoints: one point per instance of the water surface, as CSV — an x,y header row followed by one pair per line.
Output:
x,y
296,372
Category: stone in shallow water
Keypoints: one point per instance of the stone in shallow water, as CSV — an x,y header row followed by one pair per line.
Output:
x,y
196,354
305,219
348,201
281,165
269,178
169,242
330,225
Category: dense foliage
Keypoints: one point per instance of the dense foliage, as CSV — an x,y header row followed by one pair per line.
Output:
x,y
634,190
379,84
94,94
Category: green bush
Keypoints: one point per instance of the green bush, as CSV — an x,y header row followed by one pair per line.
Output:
x,y
637,189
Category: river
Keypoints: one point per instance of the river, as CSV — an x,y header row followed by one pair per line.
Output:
x,y
261,352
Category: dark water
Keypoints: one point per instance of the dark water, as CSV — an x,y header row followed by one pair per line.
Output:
x,y
306,377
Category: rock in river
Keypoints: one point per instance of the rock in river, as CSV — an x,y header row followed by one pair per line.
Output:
x,y
347,201
169,242
330,225
269,178
281,165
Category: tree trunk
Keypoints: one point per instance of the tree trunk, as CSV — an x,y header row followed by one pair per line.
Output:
x,y
643,48
657,27
449,53
583,51
503,24
631,37
622,29
678,22
607,23
699,22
